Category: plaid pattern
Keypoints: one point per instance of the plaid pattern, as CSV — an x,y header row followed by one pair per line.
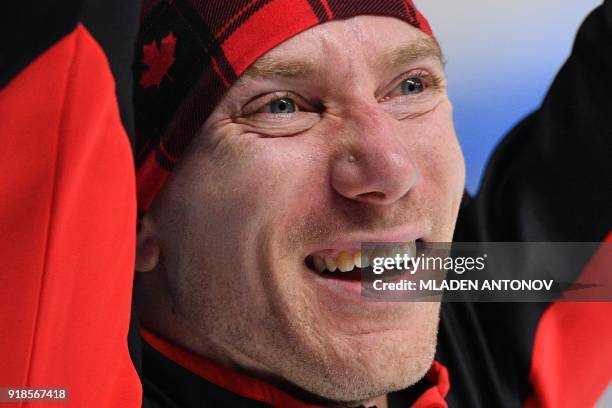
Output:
x,y
213,43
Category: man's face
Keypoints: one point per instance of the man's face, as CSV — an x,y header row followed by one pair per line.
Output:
x,y
343,134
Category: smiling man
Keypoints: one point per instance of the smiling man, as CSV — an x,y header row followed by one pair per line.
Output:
x,y
342,134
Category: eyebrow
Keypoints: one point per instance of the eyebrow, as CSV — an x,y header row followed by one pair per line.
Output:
x,y
417,50
268,66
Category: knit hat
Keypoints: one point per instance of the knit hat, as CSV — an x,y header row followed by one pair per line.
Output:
x,y
189,52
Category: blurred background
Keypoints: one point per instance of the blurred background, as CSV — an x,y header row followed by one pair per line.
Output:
x,y
501,59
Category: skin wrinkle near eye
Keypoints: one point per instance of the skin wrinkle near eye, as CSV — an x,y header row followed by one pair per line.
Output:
x,y
400,112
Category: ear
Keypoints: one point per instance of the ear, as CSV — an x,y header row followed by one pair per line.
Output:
x,y
147,246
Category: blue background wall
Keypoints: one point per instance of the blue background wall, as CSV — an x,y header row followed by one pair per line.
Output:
x,y
502,57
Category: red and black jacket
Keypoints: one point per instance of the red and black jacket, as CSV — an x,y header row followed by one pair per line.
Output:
x,y
67,199
68,221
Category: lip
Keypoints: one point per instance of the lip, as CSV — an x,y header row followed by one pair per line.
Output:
x,y
349,291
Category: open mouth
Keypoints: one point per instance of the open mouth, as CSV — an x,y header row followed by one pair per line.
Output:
x,y
350,264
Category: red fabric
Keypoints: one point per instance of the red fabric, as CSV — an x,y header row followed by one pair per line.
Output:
x,y
252,388
273,24
150,179
572,353
434,396
68,215
328,12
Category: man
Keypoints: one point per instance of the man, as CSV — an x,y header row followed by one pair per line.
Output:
x,y
270,136
333,135
328,153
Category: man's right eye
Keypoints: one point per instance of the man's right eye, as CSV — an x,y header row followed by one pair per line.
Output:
x,y
280,105
280,113
277,103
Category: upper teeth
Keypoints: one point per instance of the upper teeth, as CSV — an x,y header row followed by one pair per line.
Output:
x,y
346,261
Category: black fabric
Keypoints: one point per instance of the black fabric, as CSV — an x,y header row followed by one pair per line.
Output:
x,y
168,385
114,25
29,28
549,180
405,398
155,106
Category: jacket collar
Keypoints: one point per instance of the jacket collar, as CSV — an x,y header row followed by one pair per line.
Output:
x,y
264,392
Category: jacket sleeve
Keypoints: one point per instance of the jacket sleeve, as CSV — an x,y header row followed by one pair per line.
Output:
x,y
550,179
67,199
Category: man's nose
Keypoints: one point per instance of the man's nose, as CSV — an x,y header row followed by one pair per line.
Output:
x,y
373,164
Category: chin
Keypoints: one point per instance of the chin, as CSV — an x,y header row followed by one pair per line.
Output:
x,y
393,373
362,367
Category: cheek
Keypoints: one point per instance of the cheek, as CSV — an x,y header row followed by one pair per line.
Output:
x,y
229,203
286,170
249,181
439,159
439,154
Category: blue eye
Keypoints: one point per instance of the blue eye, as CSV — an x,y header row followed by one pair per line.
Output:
x,y
281,105
412,86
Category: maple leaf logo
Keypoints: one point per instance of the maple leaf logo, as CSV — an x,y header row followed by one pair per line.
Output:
x,y
158,60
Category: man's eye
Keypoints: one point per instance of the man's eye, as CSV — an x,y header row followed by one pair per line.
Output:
x,y
280,105
412,86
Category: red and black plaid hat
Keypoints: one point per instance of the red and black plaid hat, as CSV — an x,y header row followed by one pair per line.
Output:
x,y
189,52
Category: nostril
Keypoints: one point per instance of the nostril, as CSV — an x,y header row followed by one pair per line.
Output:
x,y
372,195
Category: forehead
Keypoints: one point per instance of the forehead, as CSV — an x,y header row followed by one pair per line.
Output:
x,y
369,40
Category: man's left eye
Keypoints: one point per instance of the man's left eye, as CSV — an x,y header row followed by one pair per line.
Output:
x,y
420,83
412,86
